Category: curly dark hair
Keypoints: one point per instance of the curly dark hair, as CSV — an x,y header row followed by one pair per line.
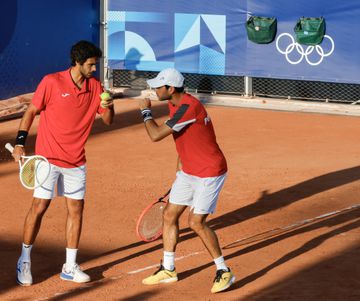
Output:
x,y
83,50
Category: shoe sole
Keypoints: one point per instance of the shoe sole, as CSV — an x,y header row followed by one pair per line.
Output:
x,y
22,284
232,280
72,280
170,280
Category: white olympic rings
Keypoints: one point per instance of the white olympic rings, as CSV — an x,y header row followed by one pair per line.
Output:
x,y
304,53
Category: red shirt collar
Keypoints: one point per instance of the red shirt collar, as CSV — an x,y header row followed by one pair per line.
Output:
x,y
70,82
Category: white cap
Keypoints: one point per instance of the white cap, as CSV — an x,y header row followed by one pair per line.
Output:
x,y
168,77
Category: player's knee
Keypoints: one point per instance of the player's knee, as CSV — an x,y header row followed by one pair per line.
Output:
x,y
196,225
76,208
39,207
169,217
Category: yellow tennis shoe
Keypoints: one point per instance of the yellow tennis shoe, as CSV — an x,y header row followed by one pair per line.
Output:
x,y
223,280
161,276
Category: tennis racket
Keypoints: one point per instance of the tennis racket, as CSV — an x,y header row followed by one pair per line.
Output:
x,y
33,170
149,224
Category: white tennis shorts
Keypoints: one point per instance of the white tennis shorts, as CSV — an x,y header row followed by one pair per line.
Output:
x,y
70,182
200,194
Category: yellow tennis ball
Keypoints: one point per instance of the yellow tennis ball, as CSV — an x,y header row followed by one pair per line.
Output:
x,y
105,96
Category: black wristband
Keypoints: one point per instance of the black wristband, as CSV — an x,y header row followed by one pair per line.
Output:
x,y
146,114
21,138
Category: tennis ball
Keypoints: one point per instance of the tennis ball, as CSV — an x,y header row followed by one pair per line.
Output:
x,y
105,96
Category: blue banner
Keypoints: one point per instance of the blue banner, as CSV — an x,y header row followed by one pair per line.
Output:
x,y
211,39
36,37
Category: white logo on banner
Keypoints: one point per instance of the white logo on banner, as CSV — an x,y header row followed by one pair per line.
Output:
x,y
304,52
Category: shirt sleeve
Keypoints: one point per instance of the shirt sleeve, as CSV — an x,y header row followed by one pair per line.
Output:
x,y
184,116
42,94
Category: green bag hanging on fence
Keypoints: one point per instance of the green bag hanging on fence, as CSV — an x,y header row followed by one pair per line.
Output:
x,y
261,30
310,31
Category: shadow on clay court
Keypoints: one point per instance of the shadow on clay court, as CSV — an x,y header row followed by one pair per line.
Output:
x,y
282,198
267,203
335,221
311,244
97,273
336,278
76,292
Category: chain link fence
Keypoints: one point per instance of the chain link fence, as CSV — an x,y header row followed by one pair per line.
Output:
x,y
264,87
307,90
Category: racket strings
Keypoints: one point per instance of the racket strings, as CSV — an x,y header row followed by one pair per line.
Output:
x,y
28,173
34,172
151,224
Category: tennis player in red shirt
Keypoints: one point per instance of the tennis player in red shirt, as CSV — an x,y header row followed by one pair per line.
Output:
x,y
68,102
201,174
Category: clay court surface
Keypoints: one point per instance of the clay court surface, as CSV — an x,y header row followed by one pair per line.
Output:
x,y
297,174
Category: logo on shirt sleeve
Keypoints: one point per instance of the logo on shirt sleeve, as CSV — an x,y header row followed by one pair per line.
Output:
x,y
65,95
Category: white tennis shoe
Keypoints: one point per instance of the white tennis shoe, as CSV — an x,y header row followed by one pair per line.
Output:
x,y
23,273
75,274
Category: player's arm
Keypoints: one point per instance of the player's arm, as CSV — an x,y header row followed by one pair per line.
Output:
x,y
108,115
24,128
156,132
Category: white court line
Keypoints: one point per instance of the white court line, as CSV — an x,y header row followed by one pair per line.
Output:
x,y
156,265
294,225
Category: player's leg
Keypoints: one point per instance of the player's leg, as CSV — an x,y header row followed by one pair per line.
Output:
x,y
171,217
206,195
197,223
167,273
180,197
41,202
74,218
72,186
33,219
31,229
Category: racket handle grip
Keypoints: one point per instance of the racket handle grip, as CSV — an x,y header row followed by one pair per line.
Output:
x,y
9,147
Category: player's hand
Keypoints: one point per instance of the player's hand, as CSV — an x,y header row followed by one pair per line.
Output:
x,y
144,103
18,152
106,100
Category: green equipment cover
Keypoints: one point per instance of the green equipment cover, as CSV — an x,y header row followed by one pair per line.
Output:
x,y
261,30
310,31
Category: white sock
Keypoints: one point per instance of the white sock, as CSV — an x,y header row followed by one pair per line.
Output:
x,y
169,260
220,263
70,258
25,252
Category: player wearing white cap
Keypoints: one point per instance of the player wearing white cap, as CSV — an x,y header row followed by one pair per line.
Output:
x,y
200,176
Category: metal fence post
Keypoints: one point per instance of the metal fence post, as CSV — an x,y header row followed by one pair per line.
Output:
x,y
104,68
248,86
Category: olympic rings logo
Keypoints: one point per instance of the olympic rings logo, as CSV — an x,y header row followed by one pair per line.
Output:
x,y
304,52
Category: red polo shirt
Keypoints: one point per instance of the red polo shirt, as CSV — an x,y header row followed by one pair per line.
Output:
x,y
67,115
195,139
